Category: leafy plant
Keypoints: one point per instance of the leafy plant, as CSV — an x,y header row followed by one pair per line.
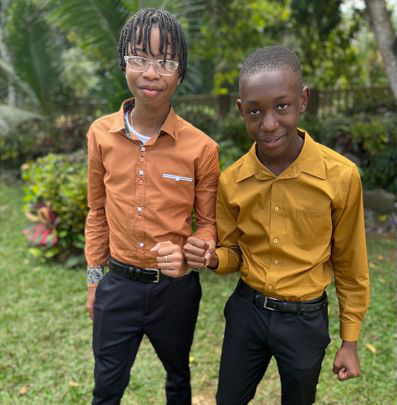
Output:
x,y
55,197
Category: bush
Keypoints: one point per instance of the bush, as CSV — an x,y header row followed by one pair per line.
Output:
x,y
367,139
55,203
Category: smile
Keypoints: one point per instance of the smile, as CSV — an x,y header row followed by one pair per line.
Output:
x,y
150,91
273,140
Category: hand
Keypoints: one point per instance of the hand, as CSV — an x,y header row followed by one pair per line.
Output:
x,y
170,259
200,253
347,362
91,301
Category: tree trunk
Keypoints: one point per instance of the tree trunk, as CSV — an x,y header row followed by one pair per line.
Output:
x,y
380,21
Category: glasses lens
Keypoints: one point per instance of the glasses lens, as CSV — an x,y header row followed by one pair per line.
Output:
x,y
137,63
167,67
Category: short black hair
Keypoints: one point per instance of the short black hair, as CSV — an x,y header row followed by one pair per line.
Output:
x,y
144,20
271,58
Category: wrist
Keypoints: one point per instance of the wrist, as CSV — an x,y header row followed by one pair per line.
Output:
x,y
349,345
213,263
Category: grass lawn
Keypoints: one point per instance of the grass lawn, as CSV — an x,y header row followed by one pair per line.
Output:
x,y
45,334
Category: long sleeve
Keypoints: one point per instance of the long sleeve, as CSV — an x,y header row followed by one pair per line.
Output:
x,y
96,227
349,260
205,195
228,250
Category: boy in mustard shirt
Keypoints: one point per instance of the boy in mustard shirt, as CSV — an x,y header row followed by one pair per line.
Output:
x,y
289,219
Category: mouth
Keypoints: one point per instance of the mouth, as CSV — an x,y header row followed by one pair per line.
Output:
x,y
273,140
150,91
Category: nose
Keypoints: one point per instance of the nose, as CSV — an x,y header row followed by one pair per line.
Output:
x,y
270,122
150,72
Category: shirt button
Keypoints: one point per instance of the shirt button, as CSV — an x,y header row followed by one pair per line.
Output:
x,y
142,148
270,287
140,217
141,159
276,262
141,244
276,208
140,182
141,172
275,240
139,209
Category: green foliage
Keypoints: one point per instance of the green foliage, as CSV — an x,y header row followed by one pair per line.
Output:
x,y
78,72
368,139
201,116
58,182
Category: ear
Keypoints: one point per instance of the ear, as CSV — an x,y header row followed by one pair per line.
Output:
x,y
304,98
178,81
240,106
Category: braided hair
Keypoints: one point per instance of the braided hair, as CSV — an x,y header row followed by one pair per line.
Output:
x,y
271,58
138,28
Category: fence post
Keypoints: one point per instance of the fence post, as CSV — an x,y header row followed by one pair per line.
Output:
x,y
223,104
312,106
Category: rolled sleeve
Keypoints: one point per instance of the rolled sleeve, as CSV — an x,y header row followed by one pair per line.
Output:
x,y
349,260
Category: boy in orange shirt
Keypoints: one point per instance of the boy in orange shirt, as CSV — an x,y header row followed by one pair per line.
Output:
x,y
148,169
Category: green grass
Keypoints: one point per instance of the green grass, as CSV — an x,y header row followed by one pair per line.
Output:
x,y
45,334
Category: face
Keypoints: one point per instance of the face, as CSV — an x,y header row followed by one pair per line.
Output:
x,y
270,104
149,87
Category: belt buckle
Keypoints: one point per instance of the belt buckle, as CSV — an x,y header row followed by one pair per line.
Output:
x,y
157,279
265,304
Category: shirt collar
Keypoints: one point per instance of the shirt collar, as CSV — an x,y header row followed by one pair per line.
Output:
x,y
309,161
170,125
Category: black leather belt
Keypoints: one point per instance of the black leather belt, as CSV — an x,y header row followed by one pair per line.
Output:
x,y
137,273
273,304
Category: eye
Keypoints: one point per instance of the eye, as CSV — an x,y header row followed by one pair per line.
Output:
x,y
282,106
168,64
137,60
254,113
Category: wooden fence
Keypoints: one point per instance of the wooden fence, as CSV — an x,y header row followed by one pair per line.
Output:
x,y
321,102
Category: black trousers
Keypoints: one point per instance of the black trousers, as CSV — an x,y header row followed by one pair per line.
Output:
x,y
125,310
253,335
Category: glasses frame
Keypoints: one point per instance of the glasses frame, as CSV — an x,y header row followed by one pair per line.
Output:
x,y
152,61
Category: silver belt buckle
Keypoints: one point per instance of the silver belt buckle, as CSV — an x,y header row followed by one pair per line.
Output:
x,y
157,279
265,304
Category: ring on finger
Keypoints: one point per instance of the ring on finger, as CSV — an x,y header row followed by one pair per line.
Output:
x,y
166,259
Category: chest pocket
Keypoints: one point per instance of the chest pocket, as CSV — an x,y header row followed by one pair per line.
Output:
x,y
311,227
177,178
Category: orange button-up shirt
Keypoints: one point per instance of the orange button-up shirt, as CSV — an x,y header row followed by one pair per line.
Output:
x,y
139,195
288,234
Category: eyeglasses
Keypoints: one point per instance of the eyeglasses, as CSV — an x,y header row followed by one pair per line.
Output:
x,y
140,64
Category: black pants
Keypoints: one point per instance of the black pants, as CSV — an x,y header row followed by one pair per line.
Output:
x,y
125,310
253,335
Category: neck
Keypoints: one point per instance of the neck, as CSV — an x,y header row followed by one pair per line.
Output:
x,y
148,120
278,164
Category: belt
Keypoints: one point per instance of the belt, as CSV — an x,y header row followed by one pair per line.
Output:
x,y
146,275
274,304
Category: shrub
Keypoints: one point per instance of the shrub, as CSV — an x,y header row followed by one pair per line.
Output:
x,y
367,139
55,204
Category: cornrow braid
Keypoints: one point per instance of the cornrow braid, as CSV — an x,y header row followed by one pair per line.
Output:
x,y
138,29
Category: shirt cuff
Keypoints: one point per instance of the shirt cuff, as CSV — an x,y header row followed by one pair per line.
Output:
x,y
94,275
228,261
350,332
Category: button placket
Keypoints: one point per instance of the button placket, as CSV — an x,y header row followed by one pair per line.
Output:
x,y
140,190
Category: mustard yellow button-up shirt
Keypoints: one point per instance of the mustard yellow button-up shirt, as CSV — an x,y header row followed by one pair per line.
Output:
x,y
141,194
289,234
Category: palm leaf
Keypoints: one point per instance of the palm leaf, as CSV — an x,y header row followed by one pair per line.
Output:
x,y
11,117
